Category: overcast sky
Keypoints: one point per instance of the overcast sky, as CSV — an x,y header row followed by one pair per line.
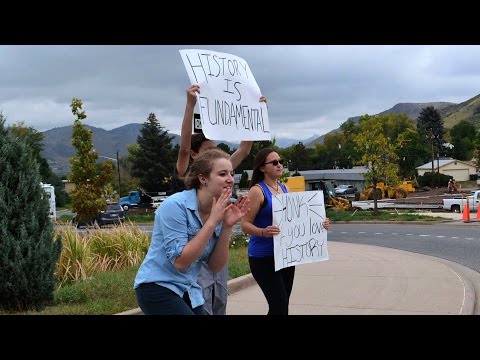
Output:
x,y
311,89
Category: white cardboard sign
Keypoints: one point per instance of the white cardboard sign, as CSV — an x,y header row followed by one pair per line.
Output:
x,y
229,96
302,238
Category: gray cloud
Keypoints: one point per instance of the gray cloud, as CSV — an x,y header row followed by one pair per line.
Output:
x,y
310,89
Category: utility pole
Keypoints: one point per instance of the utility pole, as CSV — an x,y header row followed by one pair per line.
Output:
x,y
119,183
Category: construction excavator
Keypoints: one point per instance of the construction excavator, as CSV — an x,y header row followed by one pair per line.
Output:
x,y
385,191
332,200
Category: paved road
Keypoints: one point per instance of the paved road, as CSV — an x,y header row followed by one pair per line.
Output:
x,y
454,241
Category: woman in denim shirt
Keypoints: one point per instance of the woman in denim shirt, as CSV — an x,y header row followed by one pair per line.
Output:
x,y
190,226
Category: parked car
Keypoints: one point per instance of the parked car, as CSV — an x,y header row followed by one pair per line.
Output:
x,y
345,189
113,214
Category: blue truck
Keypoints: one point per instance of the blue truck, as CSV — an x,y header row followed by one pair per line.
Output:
x,y
142,199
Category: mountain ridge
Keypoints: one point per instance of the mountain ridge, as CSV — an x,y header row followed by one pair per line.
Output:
x,y
58,148
412,110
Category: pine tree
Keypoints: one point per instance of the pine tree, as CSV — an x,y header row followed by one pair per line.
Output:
x,y
28,250
243,181
154,161
430,127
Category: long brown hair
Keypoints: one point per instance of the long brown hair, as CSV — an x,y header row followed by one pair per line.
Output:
x,y
203,165
259,161
197,140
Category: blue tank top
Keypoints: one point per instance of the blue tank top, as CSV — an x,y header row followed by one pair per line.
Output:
x,y
259,246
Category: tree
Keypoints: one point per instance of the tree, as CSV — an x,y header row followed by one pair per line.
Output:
x,y
411,153
34,140
378,152
247,163
334,144
430,127
463,140
154,160
28,250
225,148
301,157
87,198
243,181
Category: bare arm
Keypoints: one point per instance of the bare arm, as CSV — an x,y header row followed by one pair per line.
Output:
x,y
186,133
256,199
241,153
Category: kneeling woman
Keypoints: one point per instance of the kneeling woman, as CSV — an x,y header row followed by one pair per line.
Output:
x,y
190,226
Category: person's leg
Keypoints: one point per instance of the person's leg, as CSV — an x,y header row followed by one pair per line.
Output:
x,y
206,280
220,293
154,299
271,283
199,310
288,274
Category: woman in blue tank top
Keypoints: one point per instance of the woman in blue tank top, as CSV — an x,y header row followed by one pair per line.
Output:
x,y
275,285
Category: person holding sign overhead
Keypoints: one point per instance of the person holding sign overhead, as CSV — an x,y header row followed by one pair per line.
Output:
x,y
214,284
258,223
191,226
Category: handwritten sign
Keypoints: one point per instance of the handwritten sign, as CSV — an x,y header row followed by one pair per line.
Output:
x,y
302,238
229,96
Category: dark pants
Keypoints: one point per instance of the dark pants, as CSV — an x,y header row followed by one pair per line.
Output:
x,y
276,285
154,299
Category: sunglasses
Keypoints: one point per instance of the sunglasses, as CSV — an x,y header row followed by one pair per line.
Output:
x,y
275,162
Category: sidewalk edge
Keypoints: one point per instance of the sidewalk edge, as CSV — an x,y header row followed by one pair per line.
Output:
x,y
234,285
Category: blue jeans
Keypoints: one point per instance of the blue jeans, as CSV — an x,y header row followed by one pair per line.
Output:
x,y
154,299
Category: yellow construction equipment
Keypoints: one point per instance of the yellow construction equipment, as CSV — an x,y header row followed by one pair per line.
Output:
x,y
407,185
297,183
383,192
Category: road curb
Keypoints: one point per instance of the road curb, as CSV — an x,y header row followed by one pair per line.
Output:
x,y
471,280
233,286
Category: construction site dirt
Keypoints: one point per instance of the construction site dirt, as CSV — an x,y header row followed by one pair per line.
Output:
x,y
430,199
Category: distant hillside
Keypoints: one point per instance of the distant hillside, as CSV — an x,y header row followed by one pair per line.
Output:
x,y
468,110
286,142
412,110
58,144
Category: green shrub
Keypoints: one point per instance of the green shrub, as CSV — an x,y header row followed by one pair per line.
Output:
x,y
28,250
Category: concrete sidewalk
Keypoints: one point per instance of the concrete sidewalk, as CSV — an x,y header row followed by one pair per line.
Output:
x,y
365,279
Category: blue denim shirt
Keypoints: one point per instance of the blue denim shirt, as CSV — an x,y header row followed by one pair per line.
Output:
x,y
177,221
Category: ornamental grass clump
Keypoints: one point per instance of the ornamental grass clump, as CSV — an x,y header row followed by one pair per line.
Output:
x,y
99,250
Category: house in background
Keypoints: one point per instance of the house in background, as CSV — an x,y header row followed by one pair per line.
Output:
x,y
68,186
459,170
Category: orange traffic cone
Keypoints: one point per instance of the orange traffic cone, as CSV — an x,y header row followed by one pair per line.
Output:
x,y
478,212
466,213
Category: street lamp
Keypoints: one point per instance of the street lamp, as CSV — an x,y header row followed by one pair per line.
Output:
x,y
118,172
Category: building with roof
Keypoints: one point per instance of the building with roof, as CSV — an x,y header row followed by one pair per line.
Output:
x,y
459,170
339,176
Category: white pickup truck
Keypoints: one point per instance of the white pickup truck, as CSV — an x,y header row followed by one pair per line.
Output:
x,y
457,204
